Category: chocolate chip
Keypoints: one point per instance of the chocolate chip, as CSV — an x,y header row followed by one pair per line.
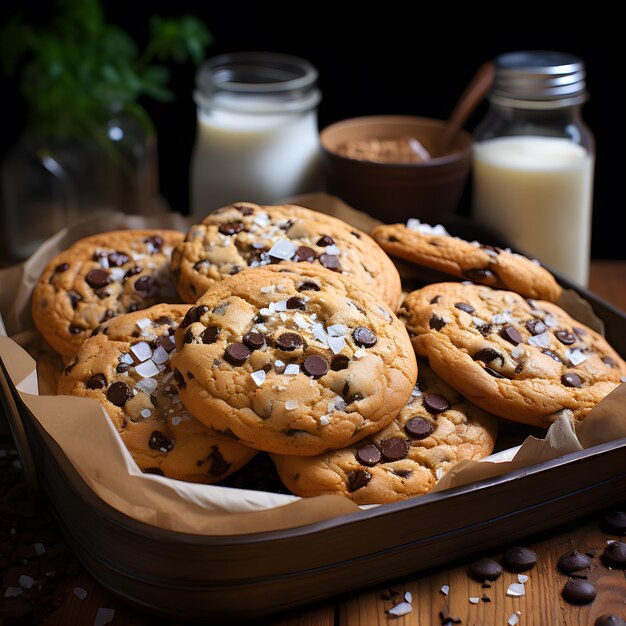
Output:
x,y
325,240
436,323
74,298
435,300
315,365
193,315
117,259
154,470
464,307
536,327
368,455
364,337
286,225
615,554
188,338
609,620
235,269
158,441
289,342
308,287
511,334
552,355
122,367
487,355
244,210
573,561
61,267
565,337
357,235
418,428
179,378
254,340
394,448
102,293
519,559
97,278
156,241
107,315
136,269
579,591
615,522
97,381
607,360
339,363
570,379
484,329
144,284
435,403
330,261
231,228
74,330
219,465
237,353
304,253
493,373
403,473
350,398
485,569
358,479
210,334
296,303
118,393
478,274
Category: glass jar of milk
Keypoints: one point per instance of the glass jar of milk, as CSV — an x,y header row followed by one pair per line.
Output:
x,y
533,161
257,136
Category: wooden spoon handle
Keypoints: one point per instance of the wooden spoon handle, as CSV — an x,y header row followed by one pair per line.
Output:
x,y
475,91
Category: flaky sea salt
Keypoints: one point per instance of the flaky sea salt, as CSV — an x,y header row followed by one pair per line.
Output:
x,y
400,609
359,353
258,377
283,249
334,250
104,616
290,405
516,590
160,355
445,590
324,420
542,340
575,356
522,578
268,289
141,350
11,592
513,620
474,600
40,549
147,369
176,420
292,369
517,352
26,582
144,322
80,593
145,413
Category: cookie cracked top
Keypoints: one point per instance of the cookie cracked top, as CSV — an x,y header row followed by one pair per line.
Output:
x,y
522,359
293,359
244,235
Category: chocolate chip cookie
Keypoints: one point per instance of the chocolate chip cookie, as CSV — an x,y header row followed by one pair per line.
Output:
x,y
434,248
522,359
434,430
245,235
293,359
125,366
99,277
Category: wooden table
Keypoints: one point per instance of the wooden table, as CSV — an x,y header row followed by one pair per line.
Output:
x,y
542,604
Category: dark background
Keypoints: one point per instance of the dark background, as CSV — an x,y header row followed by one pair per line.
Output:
x,y
386,61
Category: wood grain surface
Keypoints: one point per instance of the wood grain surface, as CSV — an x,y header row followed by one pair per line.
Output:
x,y
542,604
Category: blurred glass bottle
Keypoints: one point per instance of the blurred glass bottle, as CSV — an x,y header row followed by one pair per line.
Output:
x,y
533,160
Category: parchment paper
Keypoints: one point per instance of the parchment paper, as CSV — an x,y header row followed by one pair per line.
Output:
x,y
82,430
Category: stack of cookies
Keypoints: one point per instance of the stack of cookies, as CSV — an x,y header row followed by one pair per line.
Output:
x,y
282,332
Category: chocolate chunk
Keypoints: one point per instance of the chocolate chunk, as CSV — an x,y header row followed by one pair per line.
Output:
x,y
61,267
304,253
231,228
179,378
609,620
339,363
244,210
394,448
552,355
573,561
364,337
165,342
117,259
357,235
254,340
615,554
210,334
478,274
145,284
350,398
403,473
615,522
536,327
368,455
315,365
286,225
485,569
154,470
607,360
308,287
579,591
436,323
136,269
519,559
158,441
97,278
418,428
107,315
97,381
325,240
74,298
487,355
330,261
570,379
289,342
188,338
484,329
435,403
156,241
565,337
358,479
235,269
121,367
511,334
237,353
74,330
493,373
219,465
464,307
118,393
70,366
296,303
102,293
193,315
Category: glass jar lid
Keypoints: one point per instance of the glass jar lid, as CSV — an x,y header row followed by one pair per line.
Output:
x,y
538,79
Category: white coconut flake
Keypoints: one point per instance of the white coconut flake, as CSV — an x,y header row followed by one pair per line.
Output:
x,y
513,620
283,249
301,321
445,590
145,413
11,592
258,377
522,578
336,344
265,311
281,305
408,597
325,420
517,352
79,592
359,353
283,316
176,420
268,289
319,333
26,582
147,369
516,590
334,250
337,330
103,617
542,340
576,356
474,600
160,355
292,369
400,609
290,405
142,351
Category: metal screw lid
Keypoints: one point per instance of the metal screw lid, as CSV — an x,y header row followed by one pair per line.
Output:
x,y
538,79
